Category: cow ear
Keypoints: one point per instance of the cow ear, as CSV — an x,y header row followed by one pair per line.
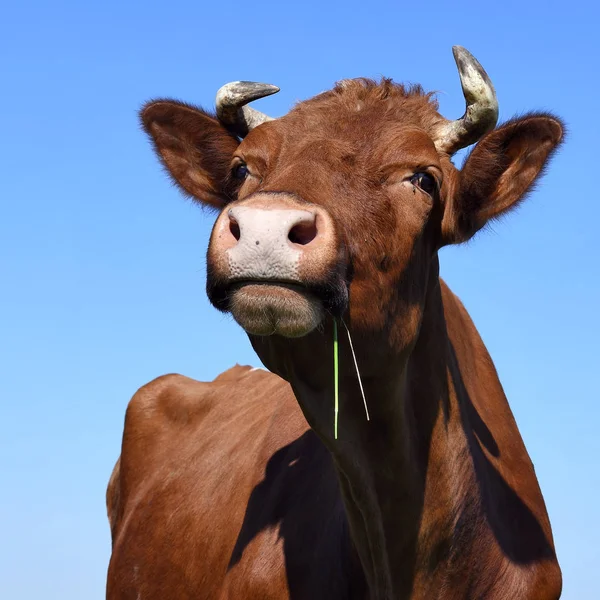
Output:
x,y
193,146
498,173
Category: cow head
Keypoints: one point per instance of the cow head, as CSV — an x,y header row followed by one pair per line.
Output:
x,y
338,208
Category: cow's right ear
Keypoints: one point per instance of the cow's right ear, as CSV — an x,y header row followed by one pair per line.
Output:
x,y
193,146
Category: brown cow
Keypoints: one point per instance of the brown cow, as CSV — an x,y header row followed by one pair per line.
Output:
x,y
335,213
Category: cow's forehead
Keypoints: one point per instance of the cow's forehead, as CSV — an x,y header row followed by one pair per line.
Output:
x,y
366,102
353,118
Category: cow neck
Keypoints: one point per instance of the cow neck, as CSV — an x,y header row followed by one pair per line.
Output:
x,y
382,464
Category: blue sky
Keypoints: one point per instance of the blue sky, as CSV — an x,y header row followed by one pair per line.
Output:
x,y
102,262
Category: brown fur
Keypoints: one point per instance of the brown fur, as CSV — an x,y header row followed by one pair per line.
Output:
x,y
224,491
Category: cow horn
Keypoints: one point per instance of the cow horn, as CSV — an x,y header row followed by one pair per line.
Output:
x,y
481,114
231,105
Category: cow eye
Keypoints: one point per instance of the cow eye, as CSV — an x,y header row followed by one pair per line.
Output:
x,y
424,181
240,171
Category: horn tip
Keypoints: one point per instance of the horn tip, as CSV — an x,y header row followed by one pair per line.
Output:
x,y
471,71
255,85
245,91
462,58
460,52
456,49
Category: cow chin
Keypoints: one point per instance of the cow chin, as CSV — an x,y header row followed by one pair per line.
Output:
x,y
275,309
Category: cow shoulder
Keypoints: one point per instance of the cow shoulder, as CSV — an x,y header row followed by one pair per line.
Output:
x,y
169,399
113,497
150,415
165,420
176,400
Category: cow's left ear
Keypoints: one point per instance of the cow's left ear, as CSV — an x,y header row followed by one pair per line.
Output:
x,y
498,173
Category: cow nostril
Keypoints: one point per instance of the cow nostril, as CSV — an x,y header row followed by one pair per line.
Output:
x,y
235,229
303,233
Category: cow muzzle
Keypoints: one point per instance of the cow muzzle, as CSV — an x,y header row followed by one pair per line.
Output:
x,y
273,262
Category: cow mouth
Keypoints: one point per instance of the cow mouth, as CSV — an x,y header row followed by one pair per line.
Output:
x,y
275,308
271,307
